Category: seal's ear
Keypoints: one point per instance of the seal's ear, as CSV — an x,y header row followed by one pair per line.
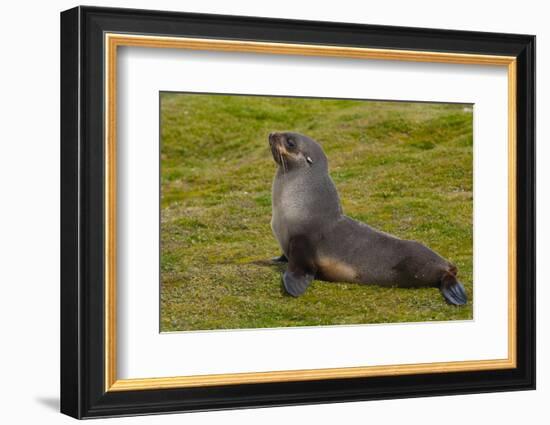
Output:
x,y
309,160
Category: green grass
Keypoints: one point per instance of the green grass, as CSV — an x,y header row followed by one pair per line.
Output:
x,y
405,168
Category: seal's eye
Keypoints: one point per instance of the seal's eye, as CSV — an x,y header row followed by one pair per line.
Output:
x,y
290,143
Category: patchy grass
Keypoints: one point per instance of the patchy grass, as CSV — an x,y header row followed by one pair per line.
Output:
x,y
405,168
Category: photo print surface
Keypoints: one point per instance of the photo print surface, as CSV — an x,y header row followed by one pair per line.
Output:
x,y
287,211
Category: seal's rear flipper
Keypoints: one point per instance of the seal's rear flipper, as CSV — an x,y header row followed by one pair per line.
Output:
x,y
295,284
453,290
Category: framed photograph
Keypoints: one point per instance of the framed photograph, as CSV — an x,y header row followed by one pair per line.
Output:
x,y
261,212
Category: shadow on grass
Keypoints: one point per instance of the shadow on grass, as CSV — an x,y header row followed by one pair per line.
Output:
x,y
276,265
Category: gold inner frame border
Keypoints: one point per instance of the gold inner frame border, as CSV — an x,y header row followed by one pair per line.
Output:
x,y
113,40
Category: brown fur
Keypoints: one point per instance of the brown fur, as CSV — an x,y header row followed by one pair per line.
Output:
x,y
331,269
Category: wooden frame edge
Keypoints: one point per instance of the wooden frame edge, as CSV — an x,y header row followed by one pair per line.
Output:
x,y
113,40
306,375
512,212
110,212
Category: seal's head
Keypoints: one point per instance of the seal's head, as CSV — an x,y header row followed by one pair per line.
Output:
x,y
294,151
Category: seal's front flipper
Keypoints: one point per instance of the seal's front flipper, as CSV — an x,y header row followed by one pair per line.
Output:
x,y
301,268
281,259
296,284
453,290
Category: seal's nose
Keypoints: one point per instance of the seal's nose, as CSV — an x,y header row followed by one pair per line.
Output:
x,y
272,138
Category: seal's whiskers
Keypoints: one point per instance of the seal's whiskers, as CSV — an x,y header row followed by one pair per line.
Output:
x,y
282,161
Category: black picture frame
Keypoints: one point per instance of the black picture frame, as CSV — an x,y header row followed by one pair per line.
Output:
x,y
83,392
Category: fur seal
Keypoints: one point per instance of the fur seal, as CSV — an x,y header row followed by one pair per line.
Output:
x,y
320,242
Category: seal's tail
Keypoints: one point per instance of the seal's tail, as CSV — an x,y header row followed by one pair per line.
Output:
x,y
452,289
